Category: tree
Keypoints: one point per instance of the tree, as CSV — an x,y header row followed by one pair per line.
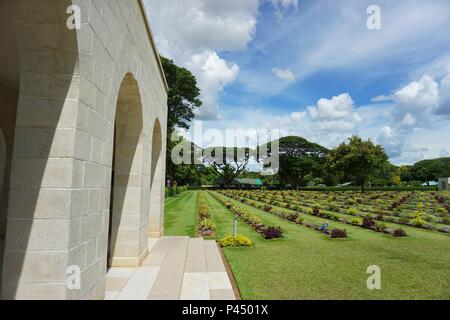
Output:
x,y
405,173
300,161
358,160
187,155
228,163
431,170
183,99
396,181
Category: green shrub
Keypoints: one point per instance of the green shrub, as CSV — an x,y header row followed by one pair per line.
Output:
x,y
417,222
238,241
442,212
300,219
380,227
403,220
206,224
356,221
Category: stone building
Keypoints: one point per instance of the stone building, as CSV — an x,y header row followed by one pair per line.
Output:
x,y
444,184
82,144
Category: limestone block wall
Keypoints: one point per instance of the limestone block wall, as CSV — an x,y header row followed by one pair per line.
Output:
x,y
444,184
85,190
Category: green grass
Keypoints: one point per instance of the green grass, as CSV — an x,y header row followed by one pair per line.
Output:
x,y
308,265
180,216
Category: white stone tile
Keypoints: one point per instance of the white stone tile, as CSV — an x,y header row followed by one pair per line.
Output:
x,y
144,276
151,243
219,280
134,292
195,286
120,272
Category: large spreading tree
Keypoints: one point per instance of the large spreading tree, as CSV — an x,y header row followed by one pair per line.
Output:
x,y
431,170
358,160
300,161
228,163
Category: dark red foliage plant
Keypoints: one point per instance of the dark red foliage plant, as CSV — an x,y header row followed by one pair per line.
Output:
x,y
272,232
338,233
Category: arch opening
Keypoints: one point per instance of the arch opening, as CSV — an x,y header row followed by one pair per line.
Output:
x,y
126,184
157,182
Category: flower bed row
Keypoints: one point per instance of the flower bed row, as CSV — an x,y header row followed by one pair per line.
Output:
x,y
366,223
205,226
415,218
442,201
297,219
250,218
395,206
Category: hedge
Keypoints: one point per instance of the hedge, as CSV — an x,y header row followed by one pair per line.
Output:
x,y
431,188
172,191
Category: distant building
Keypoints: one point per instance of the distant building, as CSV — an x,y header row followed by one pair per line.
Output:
x,y
347,184
430,184
444,184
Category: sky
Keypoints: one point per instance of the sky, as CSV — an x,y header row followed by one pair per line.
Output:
x,y
313,68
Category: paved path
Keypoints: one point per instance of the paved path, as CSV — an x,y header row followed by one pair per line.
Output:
x,y
177,268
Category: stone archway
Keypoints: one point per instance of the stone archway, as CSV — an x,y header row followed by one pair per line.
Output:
x,y
125,248
38,93
157,183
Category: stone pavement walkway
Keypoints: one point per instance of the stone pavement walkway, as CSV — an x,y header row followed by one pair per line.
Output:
x,y
177,268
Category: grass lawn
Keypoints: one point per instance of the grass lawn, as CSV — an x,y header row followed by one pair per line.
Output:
x,y
180,218
308,265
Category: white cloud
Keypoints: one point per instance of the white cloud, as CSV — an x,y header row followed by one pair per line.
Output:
x,y
419,96
444,102
198,25
193,32
336,108
445,152
213,74
284,74
382,98
329,122
415,121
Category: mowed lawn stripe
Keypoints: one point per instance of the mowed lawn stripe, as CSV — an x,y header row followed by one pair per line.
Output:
x,y
180,218
307,265
224,221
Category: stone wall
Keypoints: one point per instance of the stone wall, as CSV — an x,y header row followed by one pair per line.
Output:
x,y
444,184
89,99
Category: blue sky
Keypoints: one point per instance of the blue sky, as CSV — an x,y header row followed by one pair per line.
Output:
x,y
313,68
